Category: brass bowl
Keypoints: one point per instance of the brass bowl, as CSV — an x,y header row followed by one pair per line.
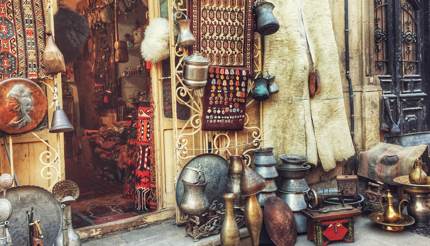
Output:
x,y
378,218
412,188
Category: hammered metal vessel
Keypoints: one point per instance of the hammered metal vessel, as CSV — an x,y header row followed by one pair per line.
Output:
x,y
279,222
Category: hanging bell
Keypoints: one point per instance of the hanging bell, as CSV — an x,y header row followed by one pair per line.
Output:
x,y
185,36
266,21
60,122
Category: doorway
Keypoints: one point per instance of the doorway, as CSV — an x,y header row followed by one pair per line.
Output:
x,y
110,153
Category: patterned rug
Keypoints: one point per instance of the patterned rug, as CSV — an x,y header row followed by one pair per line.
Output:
x,y
22,38
102,210
224,31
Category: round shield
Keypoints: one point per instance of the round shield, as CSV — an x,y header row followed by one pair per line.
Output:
x,y
45,208
23,105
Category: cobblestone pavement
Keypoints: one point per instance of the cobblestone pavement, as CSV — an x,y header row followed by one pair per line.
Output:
x,y
168,234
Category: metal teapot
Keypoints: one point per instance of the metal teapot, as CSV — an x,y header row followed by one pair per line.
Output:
x,y
392,215
185,36
266,21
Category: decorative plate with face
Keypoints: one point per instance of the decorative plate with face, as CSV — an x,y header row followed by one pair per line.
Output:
x,y
23,105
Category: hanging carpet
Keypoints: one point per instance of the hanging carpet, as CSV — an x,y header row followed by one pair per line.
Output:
x,y
293,123
224,32
22,38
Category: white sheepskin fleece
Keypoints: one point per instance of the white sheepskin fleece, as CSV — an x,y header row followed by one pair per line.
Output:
x,y
155,45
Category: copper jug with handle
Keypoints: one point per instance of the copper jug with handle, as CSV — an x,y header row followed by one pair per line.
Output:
x,y
391,214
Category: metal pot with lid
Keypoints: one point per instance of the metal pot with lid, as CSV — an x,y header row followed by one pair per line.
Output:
x,y
196,68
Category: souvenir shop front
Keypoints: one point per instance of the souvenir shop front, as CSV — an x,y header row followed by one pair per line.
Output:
x,y
120,113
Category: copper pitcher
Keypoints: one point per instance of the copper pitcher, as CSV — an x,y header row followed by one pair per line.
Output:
x,y
185,36
194,201
417,174
391,214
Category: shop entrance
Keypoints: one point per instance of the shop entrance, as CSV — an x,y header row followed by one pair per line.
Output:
x,y
108,100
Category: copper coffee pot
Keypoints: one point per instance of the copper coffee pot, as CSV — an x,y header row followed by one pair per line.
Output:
x,y
185,36
392,215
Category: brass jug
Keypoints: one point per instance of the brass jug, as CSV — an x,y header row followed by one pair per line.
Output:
x,y
185,36
417,174
390,213
230,231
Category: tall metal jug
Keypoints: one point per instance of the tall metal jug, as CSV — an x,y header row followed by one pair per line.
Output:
x,y
194,201
185,36
266,21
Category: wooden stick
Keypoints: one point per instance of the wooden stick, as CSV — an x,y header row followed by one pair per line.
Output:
x,y
12,166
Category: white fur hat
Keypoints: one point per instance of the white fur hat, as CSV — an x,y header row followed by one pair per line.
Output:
x,y
155,45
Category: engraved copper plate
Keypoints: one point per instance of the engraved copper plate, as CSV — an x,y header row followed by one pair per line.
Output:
x,y
23,105
224,31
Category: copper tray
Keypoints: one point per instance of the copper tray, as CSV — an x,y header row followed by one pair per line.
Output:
x,y
23,105
215,169
378,218
46,209
412,188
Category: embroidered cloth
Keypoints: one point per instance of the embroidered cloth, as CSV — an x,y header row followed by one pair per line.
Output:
x,y
22,38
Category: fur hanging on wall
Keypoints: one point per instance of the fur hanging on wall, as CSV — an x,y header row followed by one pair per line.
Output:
x,y
155,45
71,33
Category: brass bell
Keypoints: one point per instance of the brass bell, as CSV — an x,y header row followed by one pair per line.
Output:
x,y
185,36
60,122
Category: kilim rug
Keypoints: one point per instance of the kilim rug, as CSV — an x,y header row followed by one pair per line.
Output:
x,y
224,31
22,38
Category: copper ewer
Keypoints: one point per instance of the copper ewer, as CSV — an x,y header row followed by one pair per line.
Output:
x,y
185,36
392,214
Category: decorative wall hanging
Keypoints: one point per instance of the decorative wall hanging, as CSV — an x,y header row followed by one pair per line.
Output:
x,y
224,32
143,174
225,99
22,38
23,105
